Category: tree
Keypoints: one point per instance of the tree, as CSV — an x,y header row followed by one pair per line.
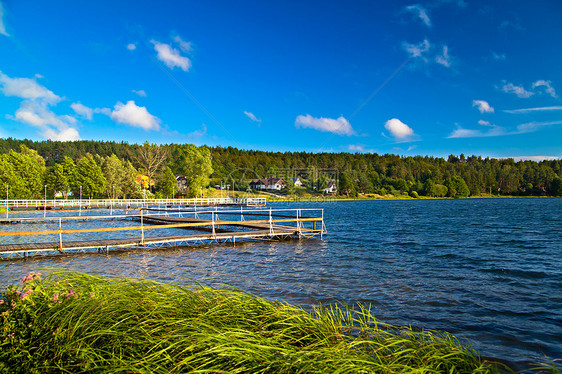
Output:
x,y
151,158
556,187
346,186
27,175
167,185
195,163
457,187
112,169
90,176
69,172
429,188
55,179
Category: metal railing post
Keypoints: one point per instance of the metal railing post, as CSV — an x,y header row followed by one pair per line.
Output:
x,y
60,235
142,227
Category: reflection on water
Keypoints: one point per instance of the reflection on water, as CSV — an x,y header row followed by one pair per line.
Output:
x,y
486,270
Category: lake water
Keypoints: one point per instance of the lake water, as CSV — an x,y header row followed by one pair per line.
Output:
x,y
486,270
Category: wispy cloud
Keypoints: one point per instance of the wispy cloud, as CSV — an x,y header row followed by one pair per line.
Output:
x,y
499,56
469,133
534,126
2,27
485,123
500,131
520,91
184,46
444,59
399,130
141,93
251,116
131,46
338,126
530,110
483,106
416,50
171,56
356,148
420,12
133,115
198,133
549,89
82,110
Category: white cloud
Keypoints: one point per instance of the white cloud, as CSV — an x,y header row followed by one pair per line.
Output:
x,y
549,89
416,50
131,46
49,124
485,123
529,110
184,46
141,93
420,12
398,129
520,91
82,110
2,27
136,116
171,56
251,116
338,126
483,106
26,88
444,59
35,109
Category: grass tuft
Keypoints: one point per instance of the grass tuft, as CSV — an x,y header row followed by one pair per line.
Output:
x,y
73,322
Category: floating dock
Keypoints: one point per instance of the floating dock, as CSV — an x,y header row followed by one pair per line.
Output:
x,y
212,226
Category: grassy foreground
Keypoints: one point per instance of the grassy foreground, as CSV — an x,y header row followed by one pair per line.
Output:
x,y
73,322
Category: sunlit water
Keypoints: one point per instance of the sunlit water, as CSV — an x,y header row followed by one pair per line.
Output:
x,y
487,270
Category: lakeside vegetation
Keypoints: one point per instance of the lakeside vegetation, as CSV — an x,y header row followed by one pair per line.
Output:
x,y
107,169
73,322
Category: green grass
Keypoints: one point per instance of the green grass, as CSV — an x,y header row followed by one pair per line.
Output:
x,y
73,322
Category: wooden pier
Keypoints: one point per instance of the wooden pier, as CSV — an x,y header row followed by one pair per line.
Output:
x,y
264,225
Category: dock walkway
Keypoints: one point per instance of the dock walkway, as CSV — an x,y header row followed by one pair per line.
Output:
x,y
273,225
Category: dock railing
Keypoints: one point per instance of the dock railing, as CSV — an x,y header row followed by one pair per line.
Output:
x,y
125,203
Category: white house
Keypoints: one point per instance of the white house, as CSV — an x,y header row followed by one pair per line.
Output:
x,y
331,188
268,184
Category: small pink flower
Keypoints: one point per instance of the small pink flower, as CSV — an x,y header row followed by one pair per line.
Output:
x,y
55,296
92,295
71,294
1,302
24,295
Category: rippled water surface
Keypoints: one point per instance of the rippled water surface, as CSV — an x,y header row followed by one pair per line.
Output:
x,y
487,270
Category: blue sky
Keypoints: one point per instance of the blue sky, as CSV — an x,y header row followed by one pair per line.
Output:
x,y
406,77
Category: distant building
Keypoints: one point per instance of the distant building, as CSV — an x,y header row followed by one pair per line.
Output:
x,y
331,188
268,184
297,182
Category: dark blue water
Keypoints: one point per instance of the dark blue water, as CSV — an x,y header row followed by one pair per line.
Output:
x,y
487,270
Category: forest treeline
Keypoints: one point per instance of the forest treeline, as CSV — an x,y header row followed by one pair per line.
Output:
x,y
371,173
